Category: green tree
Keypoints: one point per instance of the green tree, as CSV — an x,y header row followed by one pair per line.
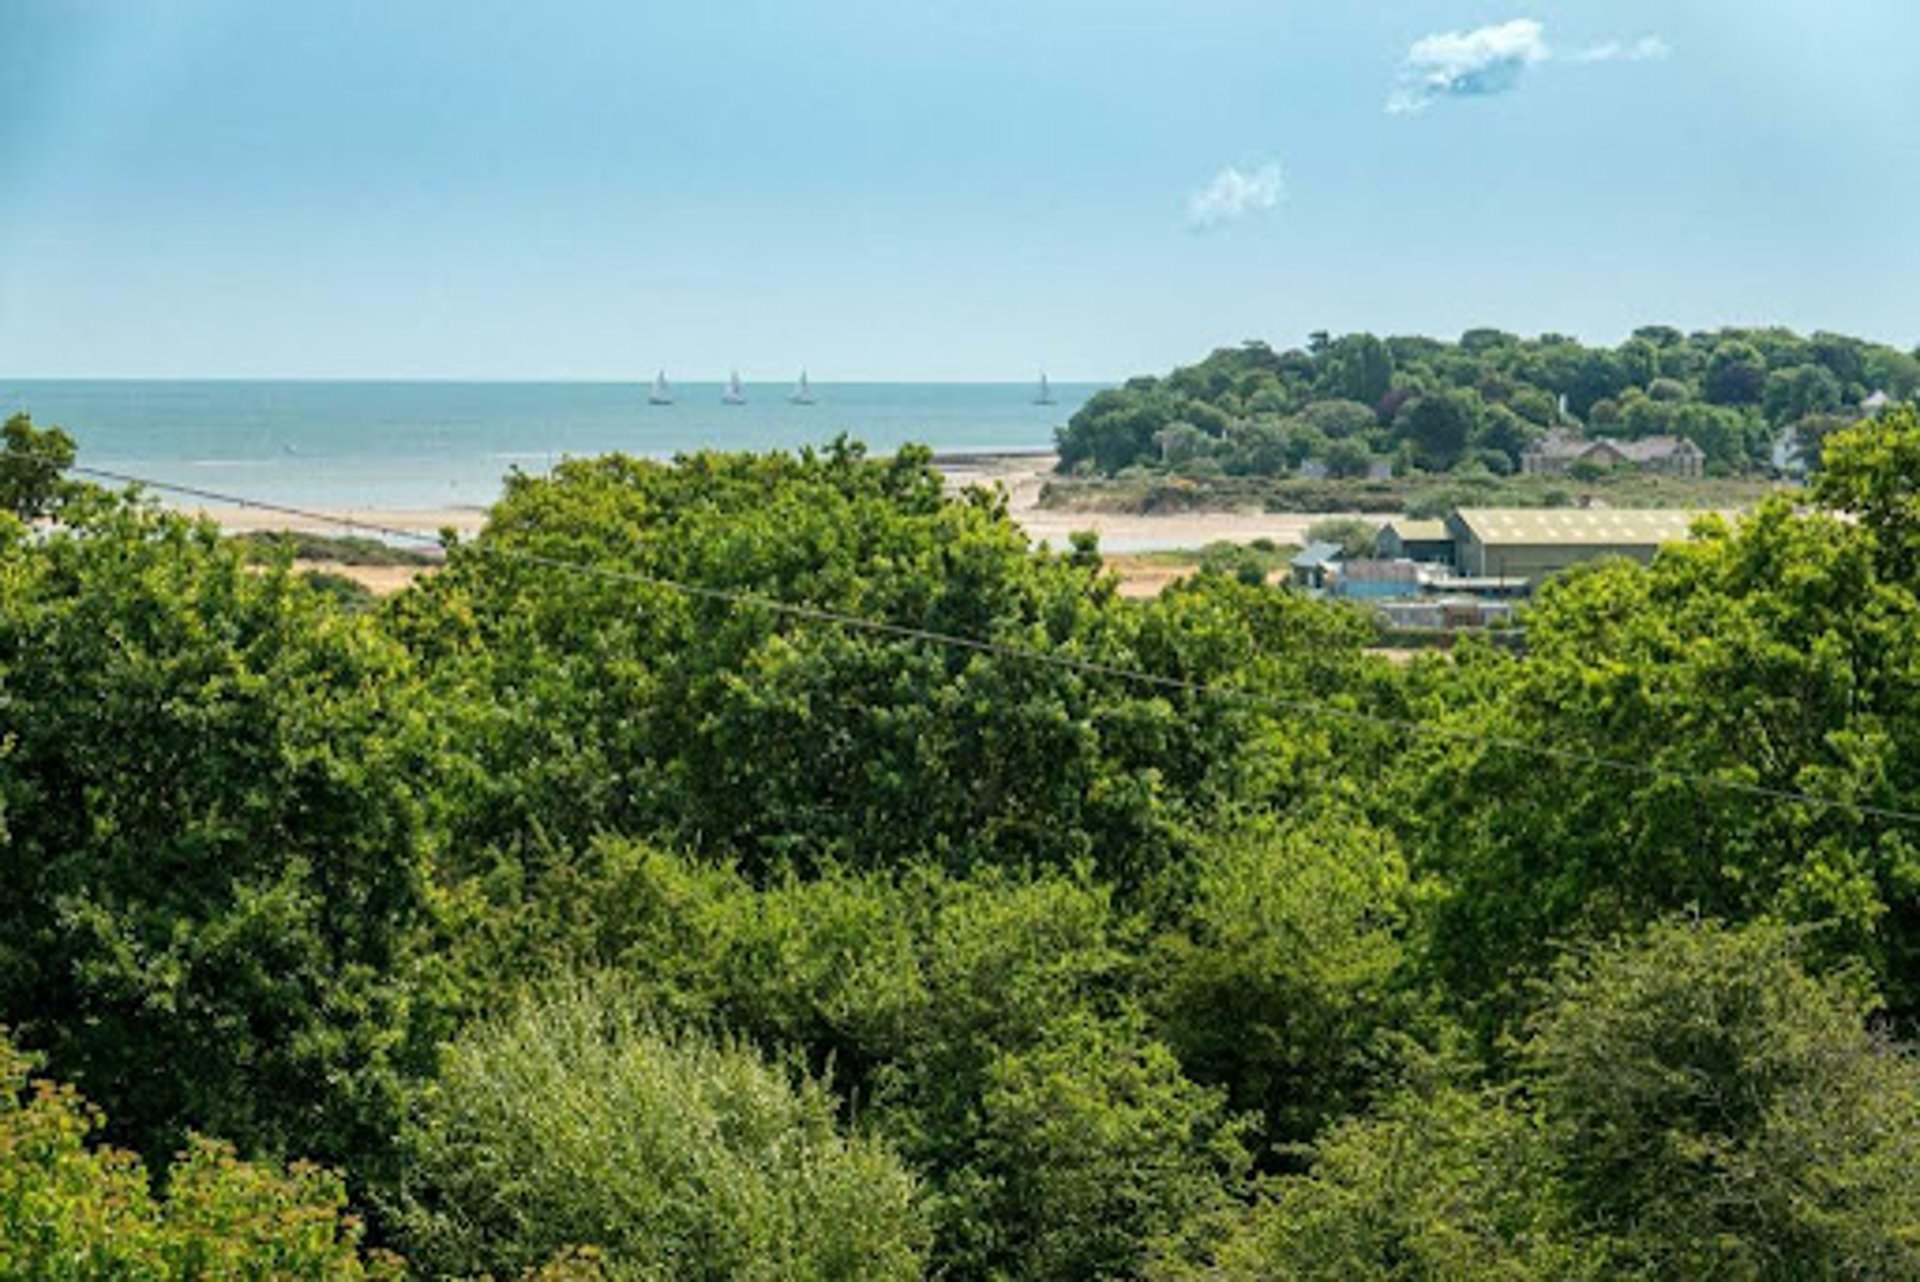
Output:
x,y
216,798
33,462
571,1120
1506,433
1338,420
948,1011
1485,340
1359,367
1636,388
609,702
1736,374
1639,360
1354,535
1722,1113
1257,448
1845,358
1287,966
1894,372
1766,656
1443,1183
1722,434
1792,394
1347,459
1872,470
1689,1103
1115,428
1181,442
1583,375
1094,1152
1439,426
71,1211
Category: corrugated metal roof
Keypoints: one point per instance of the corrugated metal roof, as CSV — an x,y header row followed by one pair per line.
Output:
x,y
1419,531
1316,554
1578,527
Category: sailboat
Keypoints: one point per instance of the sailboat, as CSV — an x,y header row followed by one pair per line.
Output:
x,y
661,393
1045,395
734,395
802,391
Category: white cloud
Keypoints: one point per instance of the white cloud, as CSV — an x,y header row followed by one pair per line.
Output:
x,y
1233,195
1466,64
1645,49
1494,60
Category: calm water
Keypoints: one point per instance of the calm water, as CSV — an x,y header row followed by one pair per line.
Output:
x,y
430,445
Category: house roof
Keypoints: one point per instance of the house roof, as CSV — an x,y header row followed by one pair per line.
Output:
x,y
1419,531
1648,448
1577,527
1560,443
1316,555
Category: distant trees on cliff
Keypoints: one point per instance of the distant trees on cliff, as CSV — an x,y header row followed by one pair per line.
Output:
x,y
1417,403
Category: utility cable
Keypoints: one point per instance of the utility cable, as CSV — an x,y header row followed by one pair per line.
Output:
x,y
1026,654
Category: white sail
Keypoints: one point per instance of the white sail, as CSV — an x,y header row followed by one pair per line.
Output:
x,y
661,394
802,391
734,396
1045,395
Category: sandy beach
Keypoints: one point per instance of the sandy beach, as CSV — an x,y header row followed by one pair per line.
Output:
x,y
371,522
1022,475
1122,535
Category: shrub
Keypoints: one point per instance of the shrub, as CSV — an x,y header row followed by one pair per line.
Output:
x,y
1690,1104
1720,1112
1355,537
572,1121
1286,967
1444,1182
1094,1152
69,1211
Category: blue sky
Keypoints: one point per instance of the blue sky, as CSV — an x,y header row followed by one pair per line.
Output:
x,y
930,189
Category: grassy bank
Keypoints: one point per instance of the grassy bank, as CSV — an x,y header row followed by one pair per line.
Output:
x,y
1422,495
334,550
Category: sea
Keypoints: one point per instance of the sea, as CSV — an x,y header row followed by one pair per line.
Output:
x,y
433,445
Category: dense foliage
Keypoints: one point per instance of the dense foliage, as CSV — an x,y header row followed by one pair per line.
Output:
x,y
72,1211
595,926
217,795
1347,405
572,1119
610,701
1689,1105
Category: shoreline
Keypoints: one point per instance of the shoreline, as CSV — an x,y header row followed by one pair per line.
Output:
x,y
1021,473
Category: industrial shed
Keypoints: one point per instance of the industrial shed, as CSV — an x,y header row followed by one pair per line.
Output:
x,y
1532,543
1426,541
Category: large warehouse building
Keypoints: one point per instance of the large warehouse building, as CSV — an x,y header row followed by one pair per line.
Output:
x,y
1531,543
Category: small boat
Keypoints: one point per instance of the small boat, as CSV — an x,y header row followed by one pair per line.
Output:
x,y
735,395
802,391
1045,395
661,393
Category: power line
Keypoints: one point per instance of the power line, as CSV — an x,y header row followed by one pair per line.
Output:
x,y
999,649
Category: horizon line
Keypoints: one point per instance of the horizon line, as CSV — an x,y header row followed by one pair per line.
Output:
x,y
633,381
